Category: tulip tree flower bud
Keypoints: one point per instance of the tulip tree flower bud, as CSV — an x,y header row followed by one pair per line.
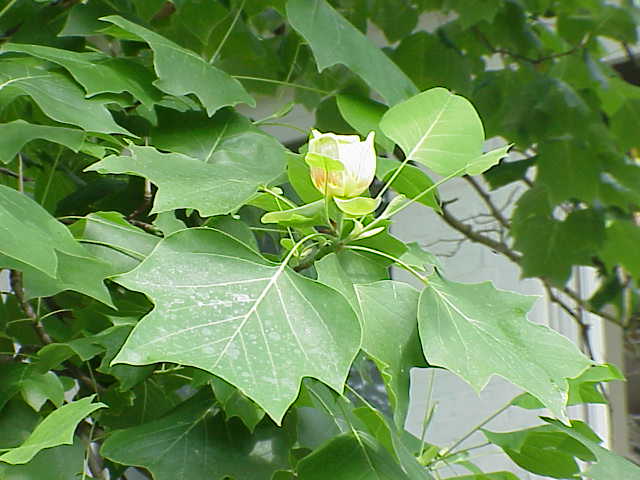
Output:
x,y
342,166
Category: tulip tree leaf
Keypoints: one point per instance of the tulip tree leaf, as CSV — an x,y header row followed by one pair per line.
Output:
x,y
436,128
110,238
96,72
37,389
582,389
551,247
392,306
260,327
334,40
181,71
352,450
59,97
214,139
216,450
235,404
214,188
622,236
56,429
31,235
58,463
608,464
477,331
80,273
542,450
15,135
487,160
364,115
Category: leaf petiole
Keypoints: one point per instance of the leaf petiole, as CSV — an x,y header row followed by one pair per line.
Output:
x,y
402,264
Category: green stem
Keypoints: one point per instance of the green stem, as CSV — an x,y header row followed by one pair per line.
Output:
x,y
280,82
282,198
476,428
388,183
296,246
7,7
464,450
20,174
404,265
53,171
377,221
227,33
280,124
124,251
427,416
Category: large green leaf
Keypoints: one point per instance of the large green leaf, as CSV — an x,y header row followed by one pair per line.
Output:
x,y
80,273
64,462
477,331
215,188
569,169
98,73
30,235
221,308
12,378
415,55
347,443
37,389
349,456
542,450
392,306
15,135
235,404
226,137
551,247
436,128
334,40
364,115
192,442
621,246
181,72
56,429
59,97
585,388
608,465
110,238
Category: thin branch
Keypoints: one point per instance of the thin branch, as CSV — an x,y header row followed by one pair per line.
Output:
x,y
94,461
587,307
504,249
501,51
227,33
495,212
476,237
584,328
15,279
147,197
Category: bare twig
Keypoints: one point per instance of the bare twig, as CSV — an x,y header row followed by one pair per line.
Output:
x,y
500,247
94,460
15,279
584,327
495,212
476,237
501,51
146,201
